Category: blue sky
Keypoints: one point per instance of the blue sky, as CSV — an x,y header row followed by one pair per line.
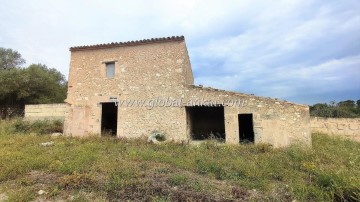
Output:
x,y
301,51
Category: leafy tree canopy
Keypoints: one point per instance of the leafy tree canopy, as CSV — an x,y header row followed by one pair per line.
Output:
x,y
36,84
342,109
10,59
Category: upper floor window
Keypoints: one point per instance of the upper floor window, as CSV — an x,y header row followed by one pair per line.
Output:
x,y
110,70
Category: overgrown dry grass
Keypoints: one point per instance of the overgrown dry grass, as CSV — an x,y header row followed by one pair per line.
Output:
x,y
102,169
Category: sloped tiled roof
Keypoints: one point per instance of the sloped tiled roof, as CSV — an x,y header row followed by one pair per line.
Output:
x,y
200,87
128,43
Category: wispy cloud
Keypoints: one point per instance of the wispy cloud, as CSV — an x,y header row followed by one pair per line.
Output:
x,y
296,53
305,51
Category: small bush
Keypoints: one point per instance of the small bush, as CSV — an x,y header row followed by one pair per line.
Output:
x,y
77,181
39,127
335,185
21,126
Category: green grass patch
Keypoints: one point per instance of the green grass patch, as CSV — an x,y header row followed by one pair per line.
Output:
x,y
122,168
177,179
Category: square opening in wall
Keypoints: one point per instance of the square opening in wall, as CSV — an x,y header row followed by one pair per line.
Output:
x,y
205,122
246,128
109,119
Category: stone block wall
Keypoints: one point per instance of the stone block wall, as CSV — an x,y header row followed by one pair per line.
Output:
x,y
276,122
144,71
345,127
45,111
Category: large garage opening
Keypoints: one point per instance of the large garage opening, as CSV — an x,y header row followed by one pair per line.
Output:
x,y
109,119
246,128
206,122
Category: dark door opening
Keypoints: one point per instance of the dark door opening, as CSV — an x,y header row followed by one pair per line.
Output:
x,y
246,128
206,122
109,119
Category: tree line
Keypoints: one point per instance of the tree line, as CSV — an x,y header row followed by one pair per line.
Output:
x,y
34,84
342,109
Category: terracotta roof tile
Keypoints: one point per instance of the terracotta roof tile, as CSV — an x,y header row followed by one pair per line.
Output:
x,y
128,43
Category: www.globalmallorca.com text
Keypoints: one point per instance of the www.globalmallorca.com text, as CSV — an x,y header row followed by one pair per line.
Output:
x,y
173,102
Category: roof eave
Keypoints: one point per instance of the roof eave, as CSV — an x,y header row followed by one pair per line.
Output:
x,y
128,43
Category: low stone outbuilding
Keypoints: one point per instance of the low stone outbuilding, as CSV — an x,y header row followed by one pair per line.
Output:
x,y
133,88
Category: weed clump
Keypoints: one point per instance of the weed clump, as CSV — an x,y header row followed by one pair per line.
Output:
x,y
177,180
39,127
77,181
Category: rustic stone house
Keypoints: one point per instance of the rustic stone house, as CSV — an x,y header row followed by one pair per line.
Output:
x,y
131,89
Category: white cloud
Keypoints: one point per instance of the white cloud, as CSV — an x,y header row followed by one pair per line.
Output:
x,y
272,48
317,51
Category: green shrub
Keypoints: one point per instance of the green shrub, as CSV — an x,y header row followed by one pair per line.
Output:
x,y
337,187
21,126
39,127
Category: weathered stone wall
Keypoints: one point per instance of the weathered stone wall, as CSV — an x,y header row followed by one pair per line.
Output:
x,y
142,72
45,111
345,127
276,122
163,70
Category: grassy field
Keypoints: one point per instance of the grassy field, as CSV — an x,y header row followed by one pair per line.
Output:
x,y
103,169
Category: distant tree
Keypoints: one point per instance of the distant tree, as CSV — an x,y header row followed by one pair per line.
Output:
x,y
10,59
319,106
349,104
343,109
332,103
358,104
45,85
36,84
9,85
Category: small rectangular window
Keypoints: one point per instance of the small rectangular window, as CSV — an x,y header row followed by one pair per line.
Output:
x,y
110,70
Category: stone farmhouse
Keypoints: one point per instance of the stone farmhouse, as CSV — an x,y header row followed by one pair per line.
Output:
x,y
131,89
